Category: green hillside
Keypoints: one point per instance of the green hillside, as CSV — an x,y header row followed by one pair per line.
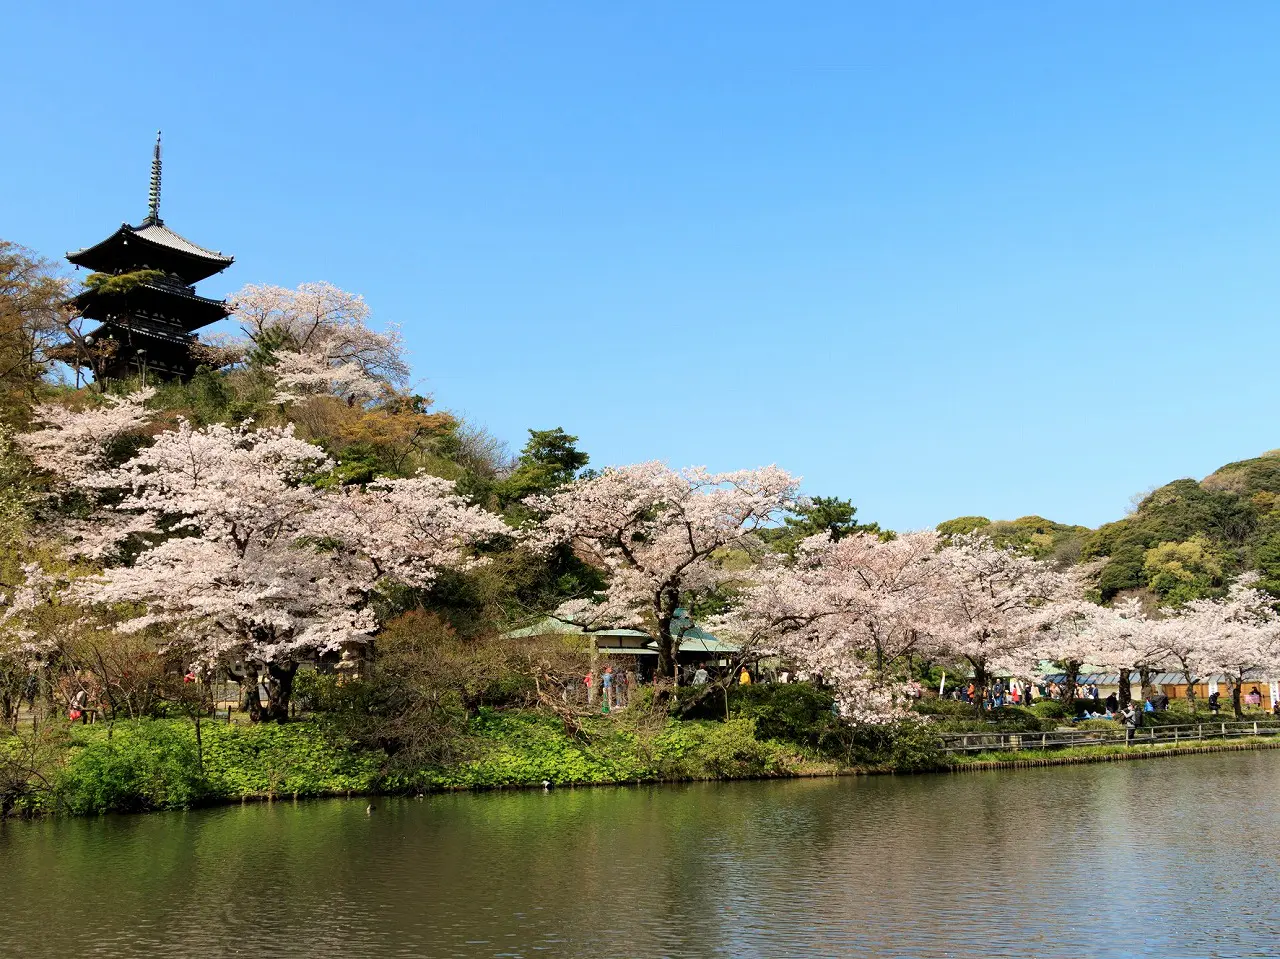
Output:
x,y
1185,540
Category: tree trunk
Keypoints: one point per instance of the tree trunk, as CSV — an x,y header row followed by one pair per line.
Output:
x,y
46,707
1144,678
1072,671
250,698
668,647
1191,684
251,703
1126,691
279,686
979,683
666,657
1235,698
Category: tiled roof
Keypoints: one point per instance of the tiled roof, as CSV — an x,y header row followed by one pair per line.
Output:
x,y
87,296
158,233
113,254
149,332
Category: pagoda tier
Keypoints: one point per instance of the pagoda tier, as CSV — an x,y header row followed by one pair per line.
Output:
x,y
157,301
147,322
145,351
151,246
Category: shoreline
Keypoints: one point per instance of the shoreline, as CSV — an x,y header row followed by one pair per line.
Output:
x,y
787,765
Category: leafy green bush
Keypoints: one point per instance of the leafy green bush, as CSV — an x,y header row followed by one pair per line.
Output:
x,y
916,748
1015,719
1050,709
143,765
799,713
526,748
301,758
157,764
316,692
727,750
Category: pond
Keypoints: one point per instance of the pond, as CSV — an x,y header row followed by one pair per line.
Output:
x,y
1169,857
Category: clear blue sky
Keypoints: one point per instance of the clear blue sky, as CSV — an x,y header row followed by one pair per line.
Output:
x,y
939,258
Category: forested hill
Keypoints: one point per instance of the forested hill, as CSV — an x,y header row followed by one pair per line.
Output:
x,y
1185,540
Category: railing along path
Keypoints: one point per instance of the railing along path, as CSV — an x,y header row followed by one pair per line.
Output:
x,y
1065,738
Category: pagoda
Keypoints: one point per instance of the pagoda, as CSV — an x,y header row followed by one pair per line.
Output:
x,y
142,293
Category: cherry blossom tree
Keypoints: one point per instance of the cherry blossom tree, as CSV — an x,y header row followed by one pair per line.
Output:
x,y
1181,638
73,444
320,341
988,600
1069,632
234,550
409,529
658,533
24,645
852,610
1238,635
1134,642
233,566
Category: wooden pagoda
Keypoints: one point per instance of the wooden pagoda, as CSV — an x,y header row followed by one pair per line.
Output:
x,y
142,293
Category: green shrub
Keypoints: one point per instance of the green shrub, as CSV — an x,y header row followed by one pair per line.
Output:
x,y
790,712
1014,719
156,764
317,692
1051,709
727,750
143,765
916,748
799,713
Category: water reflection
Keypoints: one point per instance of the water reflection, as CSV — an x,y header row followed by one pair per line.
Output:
x,y
1166,857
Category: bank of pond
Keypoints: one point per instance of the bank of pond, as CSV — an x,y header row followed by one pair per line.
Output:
x,y
62,768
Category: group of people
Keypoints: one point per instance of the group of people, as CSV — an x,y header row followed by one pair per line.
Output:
x,y
614,688
1015,693
703,673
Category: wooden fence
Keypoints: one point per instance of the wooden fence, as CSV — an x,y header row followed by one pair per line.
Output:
x,y
1065,738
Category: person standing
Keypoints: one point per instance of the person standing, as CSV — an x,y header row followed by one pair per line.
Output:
x,y
1213,702
1130,717
701,676
607,680
80,707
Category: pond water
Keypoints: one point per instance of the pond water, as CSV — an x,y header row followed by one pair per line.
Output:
x,y
1171,857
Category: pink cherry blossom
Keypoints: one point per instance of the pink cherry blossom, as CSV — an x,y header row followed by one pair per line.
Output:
x,y
658,533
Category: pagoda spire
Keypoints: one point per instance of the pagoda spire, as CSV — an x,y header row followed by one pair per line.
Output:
x,y
153,199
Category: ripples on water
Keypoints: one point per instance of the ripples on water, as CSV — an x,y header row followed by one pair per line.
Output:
x,y
1161,858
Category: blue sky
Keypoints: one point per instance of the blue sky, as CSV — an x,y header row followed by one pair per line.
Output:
x,y
939,258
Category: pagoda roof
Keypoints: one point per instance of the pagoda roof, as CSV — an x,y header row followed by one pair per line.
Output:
x,y
155,240
189,308
178,339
